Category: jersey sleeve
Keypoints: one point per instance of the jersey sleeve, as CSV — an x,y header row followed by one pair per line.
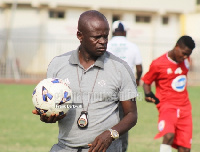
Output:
x,y
152,74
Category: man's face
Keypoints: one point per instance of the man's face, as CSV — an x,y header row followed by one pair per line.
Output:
x,y
181,53
94,37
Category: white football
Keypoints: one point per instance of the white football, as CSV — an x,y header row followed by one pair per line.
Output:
x,y
51,95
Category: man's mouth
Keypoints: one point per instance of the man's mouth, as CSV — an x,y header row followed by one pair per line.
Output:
x,y
101,49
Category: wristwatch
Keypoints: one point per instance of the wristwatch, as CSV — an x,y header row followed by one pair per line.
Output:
x,y
114,134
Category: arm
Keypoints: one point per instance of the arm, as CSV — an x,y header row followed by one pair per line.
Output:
x,y
147,88
138,73
130,117
103,141
149,96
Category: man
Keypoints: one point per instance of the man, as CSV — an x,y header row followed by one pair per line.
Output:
x,y
124,49
129,52
98,80
169,72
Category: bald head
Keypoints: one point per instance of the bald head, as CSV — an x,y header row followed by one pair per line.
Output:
x,y
93,31
88,17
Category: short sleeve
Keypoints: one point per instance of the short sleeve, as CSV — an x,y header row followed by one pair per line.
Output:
x,y
128,88
152,74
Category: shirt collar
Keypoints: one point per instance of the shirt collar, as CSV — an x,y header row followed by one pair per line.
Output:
x,y
75,60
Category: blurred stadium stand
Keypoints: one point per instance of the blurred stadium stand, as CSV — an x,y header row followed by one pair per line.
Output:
x,y
28,58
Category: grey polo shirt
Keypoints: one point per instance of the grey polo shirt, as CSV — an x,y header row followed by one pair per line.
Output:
x,y
112,80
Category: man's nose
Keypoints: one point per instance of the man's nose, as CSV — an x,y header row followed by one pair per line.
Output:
x,y
103,40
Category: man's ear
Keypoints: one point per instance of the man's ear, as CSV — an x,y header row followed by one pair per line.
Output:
x,y
79,35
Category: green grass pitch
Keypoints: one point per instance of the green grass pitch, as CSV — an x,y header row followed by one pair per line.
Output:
x,y
21,131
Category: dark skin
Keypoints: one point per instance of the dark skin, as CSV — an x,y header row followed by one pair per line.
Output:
x,y
178,54
139,66
93,37
93,33
138,73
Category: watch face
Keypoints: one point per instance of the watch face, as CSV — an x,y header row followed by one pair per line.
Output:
x,y
115,134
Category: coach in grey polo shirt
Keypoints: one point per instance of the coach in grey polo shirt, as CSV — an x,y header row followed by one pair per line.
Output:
x,y
99,80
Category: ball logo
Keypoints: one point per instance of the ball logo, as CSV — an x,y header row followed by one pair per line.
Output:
x,y
179,83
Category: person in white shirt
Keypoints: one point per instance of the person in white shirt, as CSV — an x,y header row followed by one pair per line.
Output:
x,y
124,49
129,52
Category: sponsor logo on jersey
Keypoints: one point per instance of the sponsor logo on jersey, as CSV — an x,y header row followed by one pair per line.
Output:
x,y
178,71
179,83
161,125
169,71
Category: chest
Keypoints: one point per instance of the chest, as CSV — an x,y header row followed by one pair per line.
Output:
x,y
93,85
174,76
171,71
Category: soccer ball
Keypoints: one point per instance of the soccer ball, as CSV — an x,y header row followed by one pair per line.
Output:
x,y
51,95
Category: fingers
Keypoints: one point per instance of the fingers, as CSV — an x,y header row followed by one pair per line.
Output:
x,y
35,112
101,142
43,118
98,147
91,146
149,99
51,119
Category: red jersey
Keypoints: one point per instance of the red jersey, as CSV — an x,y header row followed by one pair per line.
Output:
x,y
170,80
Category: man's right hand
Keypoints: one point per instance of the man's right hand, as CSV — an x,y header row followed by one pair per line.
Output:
x,y
52,119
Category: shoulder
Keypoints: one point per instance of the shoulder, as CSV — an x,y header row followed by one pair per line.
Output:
x,y
133,48
132,44
61,58
58,63
118,68
160,60
113,58
158,64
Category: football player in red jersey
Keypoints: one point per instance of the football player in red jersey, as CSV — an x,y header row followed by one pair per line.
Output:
x,y
169,72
